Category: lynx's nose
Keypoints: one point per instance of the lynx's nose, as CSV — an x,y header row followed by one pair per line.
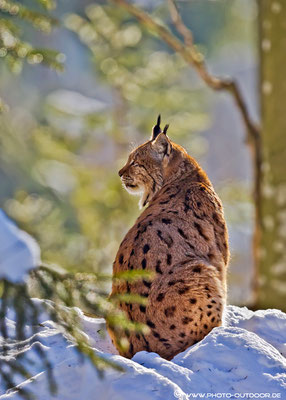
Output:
x,y
121,172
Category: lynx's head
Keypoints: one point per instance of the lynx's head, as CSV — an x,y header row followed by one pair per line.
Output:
x,y
147,166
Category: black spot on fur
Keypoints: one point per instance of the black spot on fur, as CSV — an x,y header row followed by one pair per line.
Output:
x,y
199,216
164,202
166,221
158,269
186,320
183,290
213,319
197,270
160,296
209,306
147,347
182,233
213,301
200,230
144,263
137,336
147,284
131,348
209,313
167,239
132,253
172,327
199,204
191,246
150,323
163,340
215,218
145,294
193,301
205,326
169,259
169,311
121,259
171,283
146,248
142,309
156,334
182,334
187,207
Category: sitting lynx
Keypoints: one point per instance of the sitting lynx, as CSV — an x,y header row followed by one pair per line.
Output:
x,y
182,237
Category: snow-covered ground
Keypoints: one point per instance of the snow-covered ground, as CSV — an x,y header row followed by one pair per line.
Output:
x,y
246,355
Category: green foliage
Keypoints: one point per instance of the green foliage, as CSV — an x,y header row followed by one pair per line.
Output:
x,y
13,49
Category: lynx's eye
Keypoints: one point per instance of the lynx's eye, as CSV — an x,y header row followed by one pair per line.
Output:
x,y
134,164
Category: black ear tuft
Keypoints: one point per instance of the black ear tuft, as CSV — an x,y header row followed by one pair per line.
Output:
x,y
159,120
165,129
156,129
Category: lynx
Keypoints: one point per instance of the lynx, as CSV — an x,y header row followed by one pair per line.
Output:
x,y
182,237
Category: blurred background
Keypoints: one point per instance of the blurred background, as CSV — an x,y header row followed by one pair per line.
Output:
x,y
64,135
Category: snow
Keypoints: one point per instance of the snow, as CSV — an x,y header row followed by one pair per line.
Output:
x,y
19,252
245,355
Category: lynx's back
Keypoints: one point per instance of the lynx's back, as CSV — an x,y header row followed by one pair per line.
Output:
x,y
182,237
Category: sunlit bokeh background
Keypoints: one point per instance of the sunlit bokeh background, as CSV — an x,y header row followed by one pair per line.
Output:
x,y
66,134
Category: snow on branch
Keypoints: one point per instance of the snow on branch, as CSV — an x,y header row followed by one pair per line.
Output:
x,y
19,252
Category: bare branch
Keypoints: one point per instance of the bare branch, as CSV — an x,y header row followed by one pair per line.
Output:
x,y
179,24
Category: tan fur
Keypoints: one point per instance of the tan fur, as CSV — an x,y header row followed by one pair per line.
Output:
x,y
182,237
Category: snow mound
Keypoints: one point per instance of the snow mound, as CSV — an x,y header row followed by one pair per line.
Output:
x,y
246,355
19,252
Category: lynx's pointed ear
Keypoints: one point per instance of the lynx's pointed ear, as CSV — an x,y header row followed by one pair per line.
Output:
x,y
156,129
162,146
165,129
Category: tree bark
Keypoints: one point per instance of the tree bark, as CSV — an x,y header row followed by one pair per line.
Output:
x,y
271,261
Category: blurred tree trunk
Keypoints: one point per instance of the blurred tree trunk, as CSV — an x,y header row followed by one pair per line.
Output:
x,y
271,262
